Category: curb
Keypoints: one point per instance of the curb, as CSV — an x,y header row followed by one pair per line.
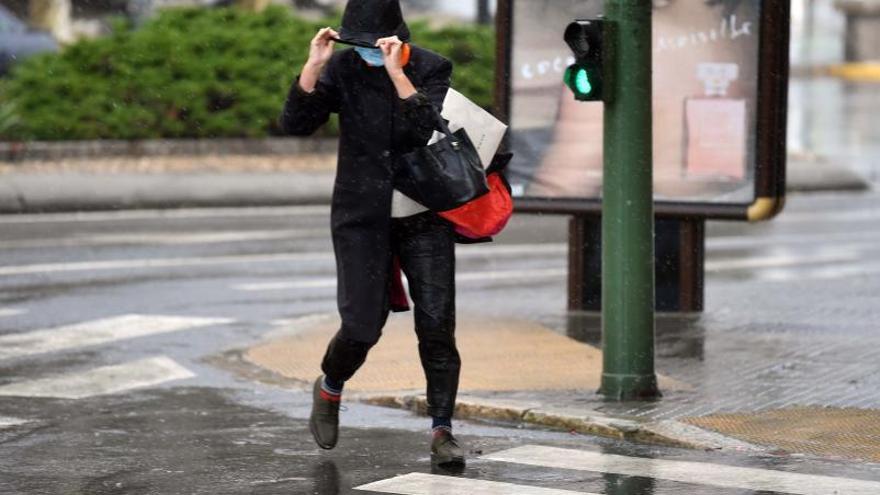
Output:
x,y
668,433
22,193
83,192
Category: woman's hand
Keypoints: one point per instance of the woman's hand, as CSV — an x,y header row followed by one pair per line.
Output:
x,y
391,48
321,48
319,54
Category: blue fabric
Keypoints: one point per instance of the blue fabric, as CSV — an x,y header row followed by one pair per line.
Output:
x,y
441,423
372,56
332,386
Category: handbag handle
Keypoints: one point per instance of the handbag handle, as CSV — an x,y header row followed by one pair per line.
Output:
x,y
444,128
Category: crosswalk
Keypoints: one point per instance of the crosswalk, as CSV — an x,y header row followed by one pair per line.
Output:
x,y
108,379
573,461
425,484
686,472
100,381
96,332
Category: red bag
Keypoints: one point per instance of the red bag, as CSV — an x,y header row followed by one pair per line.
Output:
x,y
488,214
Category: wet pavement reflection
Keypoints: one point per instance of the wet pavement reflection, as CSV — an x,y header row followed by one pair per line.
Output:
x,y
616,484
628,485
680,335
326,478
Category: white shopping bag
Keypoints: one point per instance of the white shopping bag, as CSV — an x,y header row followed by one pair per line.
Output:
x,y
482,127
485,131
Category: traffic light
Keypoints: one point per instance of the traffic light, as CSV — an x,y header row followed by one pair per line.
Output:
x,y
584,76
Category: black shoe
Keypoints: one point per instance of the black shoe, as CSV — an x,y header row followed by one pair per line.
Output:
x,y
445,451
324,421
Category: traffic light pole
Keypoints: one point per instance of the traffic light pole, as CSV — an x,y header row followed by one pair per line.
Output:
x,y
627,206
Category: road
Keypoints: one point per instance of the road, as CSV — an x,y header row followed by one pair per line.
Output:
x,y
108,322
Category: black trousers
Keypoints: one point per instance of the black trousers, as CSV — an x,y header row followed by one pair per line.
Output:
x,y
425,245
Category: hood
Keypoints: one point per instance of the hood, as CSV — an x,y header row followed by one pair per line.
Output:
x,y
365,21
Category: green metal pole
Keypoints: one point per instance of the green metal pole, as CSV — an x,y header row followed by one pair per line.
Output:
x,y
628,207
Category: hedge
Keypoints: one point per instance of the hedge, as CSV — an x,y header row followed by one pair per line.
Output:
x,y
195,73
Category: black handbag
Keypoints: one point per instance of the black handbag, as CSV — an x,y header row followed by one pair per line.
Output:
x,y
444,175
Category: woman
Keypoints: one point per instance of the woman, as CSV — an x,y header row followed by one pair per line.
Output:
x,y
386,95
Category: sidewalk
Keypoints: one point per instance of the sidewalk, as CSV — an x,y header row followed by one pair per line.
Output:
x,y
777,393
238,180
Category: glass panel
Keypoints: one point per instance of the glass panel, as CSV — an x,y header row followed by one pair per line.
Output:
x,y
705,95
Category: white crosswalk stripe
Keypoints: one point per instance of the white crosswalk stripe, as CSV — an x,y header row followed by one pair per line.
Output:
x,y
694,473
686,472
430,484
97,332
4,312
101,381
10,422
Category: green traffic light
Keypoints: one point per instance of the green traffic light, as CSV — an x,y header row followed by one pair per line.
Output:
x,y
579,79
585,77
582,82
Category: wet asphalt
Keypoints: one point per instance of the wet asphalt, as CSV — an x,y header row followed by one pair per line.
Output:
x,y
218,431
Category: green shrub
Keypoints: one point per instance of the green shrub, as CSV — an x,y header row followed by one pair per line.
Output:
x,y
194,73
472,51
9,119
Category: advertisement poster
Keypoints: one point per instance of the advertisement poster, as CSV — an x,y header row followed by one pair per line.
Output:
x,y
705,91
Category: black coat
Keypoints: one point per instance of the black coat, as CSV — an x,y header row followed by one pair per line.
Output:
x,y
375,126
